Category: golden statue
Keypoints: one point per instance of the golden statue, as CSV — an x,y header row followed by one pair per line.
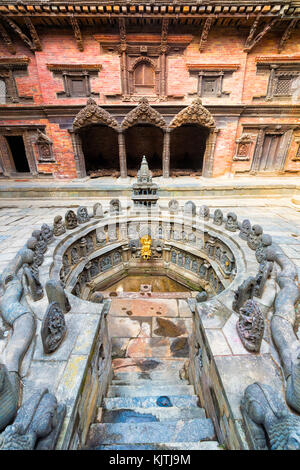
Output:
x,y
146,247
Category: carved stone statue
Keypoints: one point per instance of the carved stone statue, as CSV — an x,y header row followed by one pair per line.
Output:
x,y
56,293
189,209
250,326
218,217
201,296
97,210
204,212
71,220
231,222
245,229
97,298
261,250
264,272
37,424
34,286
244,292
82,215
254,237
173,206
264,410
53,328
41,246
58,226
74,255
114,206
47,233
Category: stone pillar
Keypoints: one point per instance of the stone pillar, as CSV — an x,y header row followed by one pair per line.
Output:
x,y
166,154
122,155
78,154
208,158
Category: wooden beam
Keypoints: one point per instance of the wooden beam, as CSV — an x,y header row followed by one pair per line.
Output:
x,y
286,35
77,33
122,29
259,36
33,33
19,32
204,34
252,32
6,39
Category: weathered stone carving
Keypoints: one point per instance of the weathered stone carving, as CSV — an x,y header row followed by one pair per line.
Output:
x,y
100,236
82,248
173,206
97,210
264,410
231,222
204,212
93,114
227,262
189,209
44,146
201,296
245,229
250,326
261,250
114,206
244,292
264,272
218,217
89,244
195,113
41,246
37,424
53,328
254,237
56,293
144,191
46,233
143,113
71,220
33,284
97,298
74,256
82,215
58,226
8,399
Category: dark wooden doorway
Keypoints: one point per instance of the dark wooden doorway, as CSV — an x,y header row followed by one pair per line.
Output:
x,y
269,152
18,153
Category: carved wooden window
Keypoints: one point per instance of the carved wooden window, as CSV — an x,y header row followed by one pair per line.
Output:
x,y
209,86
243,148
144,79
281,81
2,91
76,83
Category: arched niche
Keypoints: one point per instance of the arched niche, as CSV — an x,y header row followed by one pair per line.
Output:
x,y
143,77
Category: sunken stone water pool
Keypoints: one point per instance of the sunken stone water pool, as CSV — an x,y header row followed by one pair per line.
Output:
x,y
82,355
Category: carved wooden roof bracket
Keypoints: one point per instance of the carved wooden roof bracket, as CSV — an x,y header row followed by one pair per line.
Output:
x,y
286,34
253,40
19,32
195,113
77,33
143,113
7,40
35,37
93,114
204,33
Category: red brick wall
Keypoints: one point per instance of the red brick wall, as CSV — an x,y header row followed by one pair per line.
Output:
x,y
224,46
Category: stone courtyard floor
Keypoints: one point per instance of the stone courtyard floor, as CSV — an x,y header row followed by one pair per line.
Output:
x,y
278,217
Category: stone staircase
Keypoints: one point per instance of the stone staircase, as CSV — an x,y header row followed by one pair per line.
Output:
x,y
150,348
132,420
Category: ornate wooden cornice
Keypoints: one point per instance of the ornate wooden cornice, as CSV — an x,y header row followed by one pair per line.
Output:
x,y
74,67
14,61
144,7
277,59
196,67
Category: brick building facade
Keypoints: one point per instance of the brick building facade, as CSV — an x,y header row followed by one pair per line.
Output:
x,y
205,88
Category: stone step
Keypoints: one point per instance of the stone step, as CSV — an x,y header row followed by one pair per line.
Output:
x,y
184,401
152,414
205,445
147,364
148,390
155,383
193,430
157,347
151,375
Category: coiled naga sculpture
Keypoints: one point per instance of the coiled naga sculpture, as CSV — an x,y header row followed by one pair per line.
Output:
x,y
282,324
265,411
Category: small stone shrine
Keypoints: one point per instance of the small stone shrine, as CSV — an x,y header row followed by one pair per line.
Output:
x,y
144,192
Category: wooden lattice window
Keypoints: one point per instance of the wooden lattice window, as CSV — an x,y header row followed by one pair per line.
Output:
x,y
2,91
283,86
144,79
209,86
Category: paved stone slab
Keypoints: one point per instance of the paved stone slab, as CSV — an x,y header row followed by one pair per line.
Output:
x,y
128,327
217,342
150,347
171,327
144,308
142,381
185,401
146,365
184,309
193,430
